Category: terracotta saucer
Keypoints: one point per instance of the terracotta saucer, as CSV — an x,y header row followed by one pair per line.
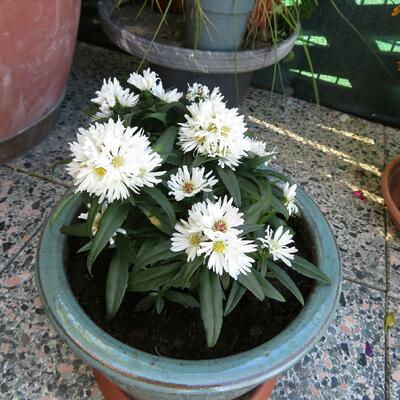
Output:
x,y
390,185
112,392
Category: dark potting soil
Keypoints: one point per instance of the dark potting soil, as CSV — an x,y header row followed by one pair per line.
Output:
x,y
178,331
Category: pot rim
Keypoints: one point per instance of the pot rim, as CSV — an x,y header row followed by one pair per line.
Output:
x,y
124,363
385,187
187,59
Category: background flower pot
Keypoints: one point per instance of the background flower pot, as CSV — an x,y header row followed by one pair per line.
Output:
x,y
111,391
178,65
37,42
219,25
149,377
390,185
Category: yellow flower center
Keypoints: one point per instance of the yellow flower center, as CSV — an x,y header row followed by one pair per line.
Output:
x,y
219,246
220,226
117,161
188,187
195,239
100,171
212,128
142,172
225,130
200,139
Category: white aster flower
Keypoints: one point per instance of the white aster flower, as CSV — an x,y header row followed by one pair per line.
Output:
x,y
214,130
110,95
197,91
278,244
186,239
257,149
289,192
144,82
109,160
97,220
227,252
169,96
188,183
210,231
215,218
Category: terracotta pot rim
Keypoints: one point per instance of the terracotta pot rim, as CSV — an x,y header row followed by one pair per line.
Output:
x,y
387,195
111,391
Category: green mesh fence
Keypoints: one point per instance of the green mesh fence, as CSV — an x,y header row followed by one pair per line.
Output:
x,y
348,75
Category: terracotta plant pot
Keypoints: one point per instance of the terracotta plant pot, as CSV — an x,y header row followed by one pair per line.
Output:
x,y
111,391
37,42
390,185
149,377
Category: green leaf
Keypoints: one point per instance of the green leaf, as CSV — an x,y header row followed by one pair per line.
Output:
x,y
159,116
280,207
66,200
256,162
250,188
231,183
159,305
163,201
184,299
176,104
211,307
146,303
85,247
165,143
304,267
117,280
250,282
257,210
235,295
152,278
155,219
268,289
286,280
159,250
200,160
94,208
111,220
225,280
182,280
248,228
270,173
75,230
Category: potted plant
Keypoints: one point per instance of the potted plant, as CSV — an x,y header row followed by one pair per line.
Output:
x,y
174,267
29,100
204,45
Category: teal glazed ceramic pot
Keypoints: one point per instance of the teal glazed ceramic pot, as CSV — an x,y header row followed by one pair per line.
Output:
x,y
149,377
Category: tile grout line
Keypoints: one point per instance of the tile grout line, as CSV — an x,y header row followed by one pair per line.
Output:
x,y
388,284
386,310
367,285
9,263
36,175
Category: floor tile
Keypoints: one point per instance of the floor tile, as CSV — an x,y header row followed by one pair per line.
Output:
x,y
349,361
393,258
394,351
35,363
24,203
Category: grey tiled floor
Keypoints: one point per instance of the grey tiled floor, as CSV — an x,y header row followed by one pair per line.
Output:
x,y
329,155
